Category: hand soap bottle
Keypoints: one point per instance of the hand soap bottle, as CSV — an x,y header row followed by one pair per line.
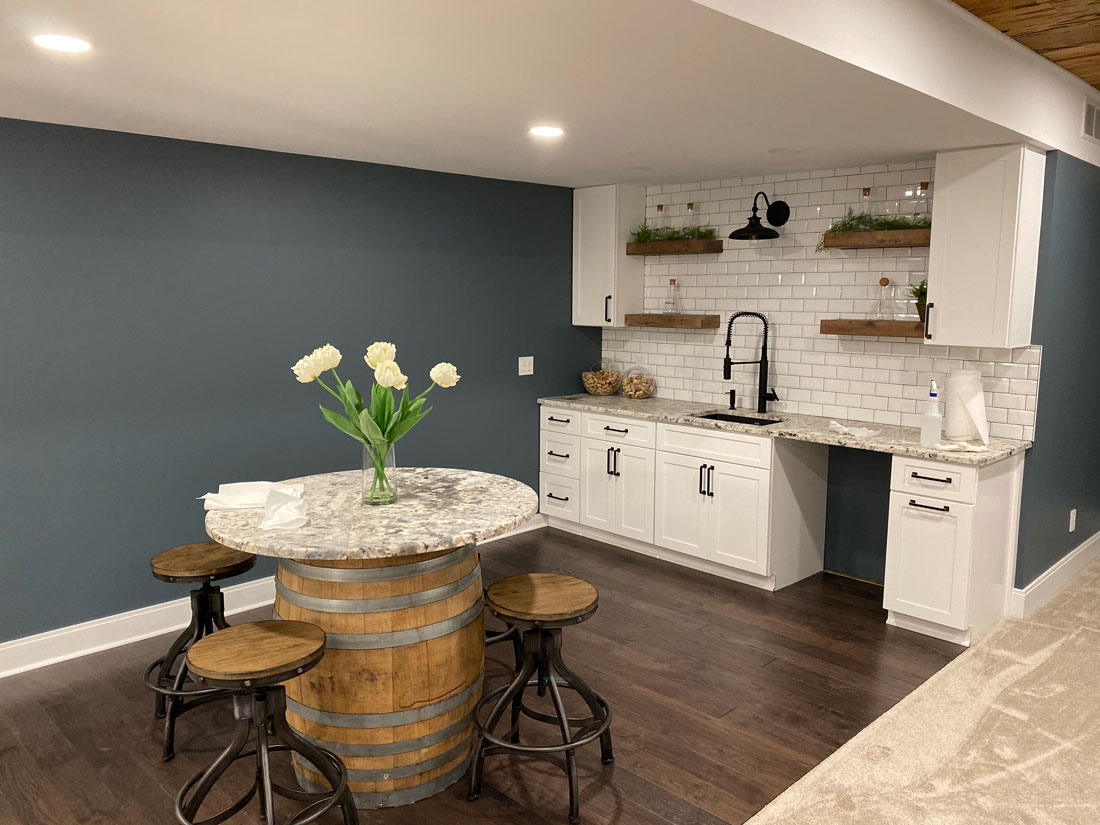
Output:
x,y
931,423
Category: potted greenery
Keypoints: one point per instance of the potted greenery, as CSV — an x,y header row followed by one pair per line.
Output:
x,y
920,294
861,229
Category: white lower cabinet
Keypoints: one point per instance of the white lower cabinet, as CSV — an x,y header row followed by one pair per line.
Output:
x,y
713,510
928,559
617,488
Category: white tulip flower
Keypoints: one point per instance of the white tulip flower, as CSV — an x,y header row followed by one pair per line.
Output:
x,y
388,374
445,374
379,353
309,367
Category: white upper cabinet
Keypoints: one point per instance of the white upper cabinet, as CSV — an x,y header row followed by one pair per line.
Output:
x,y
985,245
607,283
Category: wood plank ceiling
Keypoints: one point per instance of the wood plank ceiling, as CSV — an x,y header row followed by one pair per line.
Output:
x,y
1064,31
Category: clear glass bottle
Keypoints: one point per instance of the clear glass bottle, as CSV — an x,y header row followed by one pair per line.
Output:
x,y
691,219
660,222
672,304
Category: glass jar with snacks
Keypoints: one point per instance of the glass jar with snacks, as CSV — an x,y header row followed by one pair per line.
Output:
x,y
602,378
638,383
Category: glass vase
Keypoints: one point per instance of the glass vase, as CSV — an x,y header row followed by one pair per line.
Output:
x,y
379,475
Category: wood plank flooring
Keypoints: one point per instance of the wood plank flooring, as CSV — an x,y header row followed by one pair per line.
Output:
x,y
723,695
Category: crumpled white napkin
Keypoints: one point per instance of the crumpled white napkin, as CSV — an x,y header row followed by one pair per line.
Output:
x,y
283,506
857,432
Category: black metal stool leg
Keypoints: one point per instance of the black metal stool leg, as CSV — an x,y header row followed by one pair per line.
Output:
x,y
515,687
590,698
164,673
318,758
267,801
551,643
192,796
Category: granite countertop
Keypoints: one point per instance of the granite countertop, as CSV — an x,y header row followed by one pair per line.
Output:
x,y
436,509
890,439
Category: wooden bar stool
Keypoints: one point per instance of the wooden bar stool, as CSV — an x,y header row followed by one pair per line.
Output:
x,y
201,563
251,661
540,605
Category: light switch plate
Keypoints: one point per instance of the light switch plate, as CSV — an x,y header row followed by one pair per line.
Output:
x,y
527,365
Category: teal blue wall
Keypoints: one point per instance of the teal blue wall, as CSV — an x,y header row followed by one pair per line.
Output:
x,y
856,513
1062,470
155,294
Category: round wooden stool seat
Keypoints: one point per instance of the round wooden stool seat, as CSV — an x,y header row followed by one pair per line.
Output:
x,y
205,561
256,654
542,597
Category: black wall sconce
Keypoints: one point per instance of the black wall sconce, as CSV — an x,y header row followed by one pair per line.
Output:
x,y
778,213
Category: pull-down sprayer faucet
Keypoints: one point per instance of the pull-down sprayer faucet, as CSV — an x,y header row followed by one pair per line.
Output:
x,y
763,394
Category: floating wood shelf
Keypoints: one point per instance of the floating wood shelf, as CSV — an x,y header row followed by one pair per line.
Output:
x,y
885,329
686,247
660,319
883,238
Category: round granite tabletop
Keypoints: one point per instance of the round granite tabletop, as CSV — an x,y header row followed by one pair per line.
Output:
x,y
436,509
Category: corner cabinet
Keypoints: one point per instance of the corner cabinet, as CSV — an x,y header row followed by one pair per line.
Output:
x,y
985,246
607,283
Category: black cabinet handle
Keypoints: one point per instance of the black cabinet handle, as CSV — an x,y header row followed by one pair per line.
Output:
x,y
557,498
702,481
609,449
614,430
930,478
928,321
710,481
557,455
944,509
557,420
616,462
607,309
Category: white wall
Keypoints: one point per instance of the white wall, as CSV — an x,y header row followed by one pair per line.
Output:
x,y
936,47
865,379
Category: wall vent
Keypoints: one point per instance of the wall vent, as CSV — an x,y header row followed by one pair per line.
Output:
x,y
1092,120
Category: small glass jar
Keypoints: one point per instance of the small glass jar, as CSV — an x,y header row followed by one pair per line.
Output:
x,y
672,304
602,378
639,383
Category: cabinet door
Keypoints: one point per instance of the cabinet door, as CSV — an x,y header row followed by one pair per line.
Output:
x,y
985,244
594,255
597,502
737,517
679,517
928,551
633,483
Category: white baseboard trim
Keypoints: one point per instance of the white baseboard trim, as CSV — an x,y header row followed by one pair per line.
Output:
x,y
76,640
936,631
653,551
1022,602
54,646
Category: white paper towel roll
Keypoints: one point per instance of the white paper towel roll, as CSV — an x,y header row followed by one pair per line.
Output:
x,y
964,407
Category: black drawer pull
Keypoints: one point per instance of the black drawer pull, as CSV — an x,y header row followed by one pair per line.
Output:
x,y
710,481
944,509
702,482
609,449
615,430
557,455
615,471
607,309
930,478
557,420
557,498
928,321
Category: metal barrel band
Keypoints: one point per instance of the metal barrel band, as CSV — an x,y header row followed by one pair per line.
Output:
x,y
405,796
379,605
399,638
403,771
385,720
377,574
392,748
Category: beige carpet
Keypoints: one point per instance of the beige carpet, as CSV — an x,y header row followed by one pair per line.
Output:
x,y
1007,734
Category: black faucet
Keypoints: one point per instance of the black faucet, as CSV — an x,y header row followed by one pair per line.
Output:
x,y
763,394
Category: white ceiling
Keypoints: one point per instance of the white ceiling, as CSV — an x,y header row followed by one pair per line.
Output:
x,y
453,85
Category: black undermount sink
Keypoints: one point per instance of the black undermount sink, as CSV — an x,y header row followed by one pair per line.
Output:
x,y
739,419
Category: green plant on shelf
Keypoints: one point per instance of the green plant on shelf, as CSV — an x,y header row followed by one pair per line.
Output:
x,y
647,234
920,291
865,222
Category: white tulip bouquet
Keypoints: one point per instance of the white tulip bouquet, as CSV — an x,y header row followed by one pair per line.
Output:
x,y
381,425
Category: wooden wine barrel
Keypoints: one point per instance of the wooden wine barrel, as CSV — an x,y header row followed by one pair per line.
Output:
x,y
394,693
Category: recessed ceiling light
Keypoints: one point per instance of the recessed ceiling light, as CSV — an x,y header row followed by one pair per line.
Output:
x,y
62,43
547,131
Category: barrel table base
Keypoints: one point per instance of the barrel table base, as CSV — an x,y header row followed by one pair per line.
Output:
x,y
394,694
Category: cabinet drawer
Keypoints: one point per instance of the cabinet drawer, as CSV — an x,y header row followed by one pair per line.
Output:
x,y
618,430
554,419
748,450
921,477
559,496
559,454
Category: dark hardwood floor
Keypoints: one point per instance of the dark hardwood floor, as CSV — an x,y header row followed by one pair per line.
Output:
x,y
723,695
